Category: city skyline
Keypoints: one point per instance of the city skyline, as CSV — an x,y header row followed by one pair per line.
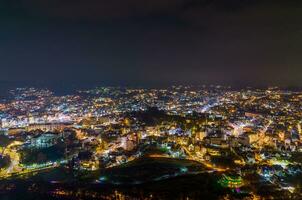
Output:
x,y
150,99
142,143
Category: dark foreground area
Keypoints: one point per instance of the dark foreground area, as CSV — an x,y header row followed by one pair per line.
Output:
x,y
175,188
160,178
146,178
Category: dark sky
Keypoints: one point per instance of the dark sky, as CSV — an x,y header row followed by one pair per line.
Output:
x,y
256,42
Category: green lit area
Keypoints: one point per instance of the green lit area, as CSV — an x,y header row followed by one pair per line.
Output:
x,y
231,181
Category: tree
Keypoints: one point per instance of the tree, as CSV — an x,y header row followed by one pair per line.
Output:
x,y
4,141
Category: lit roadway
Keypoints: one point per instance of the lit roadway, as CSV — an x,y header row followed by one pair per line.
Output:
x,y
15,158
14,168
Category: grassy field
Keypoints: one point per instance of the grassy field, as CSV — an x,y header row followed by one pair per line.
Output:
x,y
150,169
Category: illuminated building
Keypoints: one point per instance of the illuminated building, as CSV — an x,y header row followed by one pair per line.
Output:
x,y
43,141
231,181
48,127
248,138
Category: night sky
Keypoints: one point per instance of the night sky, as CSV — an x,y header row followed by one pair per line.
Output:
x,y
243,42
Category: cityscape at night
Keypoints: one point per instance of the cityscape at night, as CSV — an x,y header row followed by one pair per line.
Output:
x,y
150,99
236,143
